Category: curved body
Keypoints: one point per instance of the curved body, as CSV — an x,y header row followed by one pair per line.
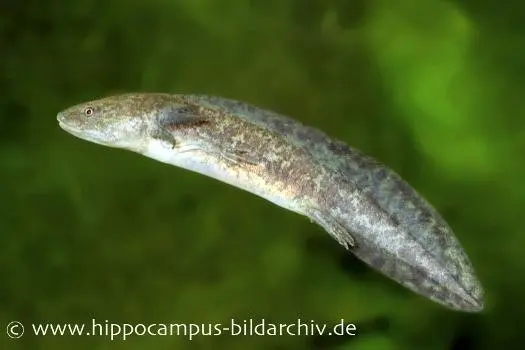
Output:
x,y
364,205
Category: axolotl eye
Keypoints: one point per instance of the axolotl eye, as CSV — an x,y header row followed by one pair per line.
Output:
x,y
88,111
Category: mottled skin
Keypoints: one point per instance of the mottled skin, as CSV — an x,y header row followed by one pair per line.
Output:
x,y
365,206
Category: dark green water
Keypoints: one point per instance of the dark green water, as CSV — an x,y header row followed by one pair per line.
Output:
x,y
433,89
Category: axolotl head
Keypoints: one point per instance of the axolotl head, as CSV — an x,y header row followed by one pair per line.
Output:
x,y
122,121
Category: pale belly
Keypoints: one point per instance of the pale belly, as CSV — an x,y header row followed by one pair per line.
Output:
x,y
247,177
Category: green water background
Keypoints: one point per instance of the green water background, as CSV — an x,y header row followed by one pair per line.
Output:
x,y
432,88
